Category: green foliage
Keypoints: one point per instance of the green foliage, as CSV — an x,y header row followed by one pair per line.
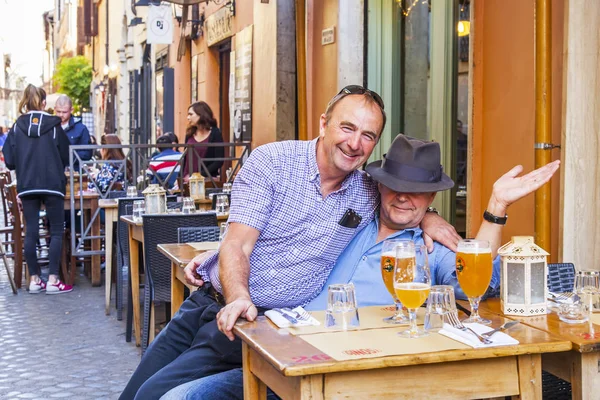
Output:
x,y
73,77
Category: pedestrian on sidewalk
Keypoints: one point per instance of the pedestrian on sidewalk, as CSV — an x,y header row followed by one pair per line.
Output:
x,y
74,128
37,149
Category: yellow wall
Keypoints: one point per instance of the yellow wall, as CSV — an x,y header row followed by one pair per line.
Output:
x,y
503,120
322,61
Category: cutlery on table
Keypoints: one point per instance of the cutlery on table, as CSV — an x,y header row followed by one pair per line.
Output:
x,y
455,322
504,326
286,315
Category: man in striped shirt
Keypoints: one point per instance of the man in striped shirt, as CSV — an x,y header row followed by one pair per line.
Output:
x,y
294,208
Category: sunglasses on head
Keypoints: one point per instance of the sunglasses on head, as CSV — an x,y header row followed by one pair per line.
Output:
x,y
357,89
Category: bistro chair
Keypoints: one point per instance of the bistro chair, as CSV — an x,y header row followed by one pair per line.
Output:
x,y
561,278
198,234
159,229
124,207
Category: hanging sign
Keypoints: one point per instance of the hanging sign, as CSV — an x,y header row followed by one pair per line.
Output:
x,y
218,26
159,25
242,116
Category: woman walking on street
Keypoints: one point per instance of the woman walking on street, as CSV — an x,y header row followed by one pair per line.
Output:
x,y
38,150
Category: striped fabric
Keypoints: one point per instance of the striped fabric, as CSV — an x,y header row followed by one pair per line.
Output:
x,y
278,193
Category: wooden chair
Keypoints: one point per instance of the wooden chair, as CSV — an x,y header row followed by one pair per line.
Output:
x,y
14,227
162,229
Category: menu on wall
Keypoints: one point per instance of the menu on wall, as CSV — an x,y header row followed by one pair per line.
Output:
x,y
242,114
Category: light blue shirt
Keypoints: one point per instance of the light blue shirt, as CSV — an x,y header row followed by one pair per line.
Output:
x,y
360,263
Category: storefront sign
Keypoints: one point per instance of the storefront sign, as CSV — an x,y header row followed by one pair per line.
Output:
x,y
218,26
242,115
159,25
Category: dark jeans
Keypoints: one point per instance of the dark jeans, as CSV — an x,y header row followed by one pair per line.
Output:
x,y
188,348
227,385
55,213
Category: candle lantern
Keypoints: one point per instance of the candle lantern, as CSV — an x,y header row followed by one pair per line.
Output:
x,y
524,269
196,183
155,199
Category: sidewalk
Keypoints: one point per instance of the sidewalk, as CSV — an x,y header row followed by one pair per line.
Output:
x,y
62,346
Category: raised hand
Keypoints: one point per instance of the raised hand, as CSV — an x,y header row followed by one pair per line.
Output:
x,y
511,187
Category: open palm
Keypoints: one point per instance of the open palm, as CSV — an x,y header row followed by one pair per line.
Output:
x,y
511,187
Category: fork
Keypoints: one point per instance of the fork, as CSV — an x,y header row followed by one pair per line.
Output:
x,y
558,297
302,316
455,322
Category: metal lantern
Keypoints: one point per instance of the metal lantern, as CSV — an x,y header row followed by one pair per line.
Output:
x,y
155,199
196,183
523,290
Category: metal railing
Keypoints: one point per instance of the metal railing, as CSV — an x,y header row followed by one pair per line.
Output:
x,y
139,156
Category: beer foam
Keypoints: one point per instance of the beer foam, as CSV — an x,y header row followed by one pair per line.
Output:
x,y
402,254
470,250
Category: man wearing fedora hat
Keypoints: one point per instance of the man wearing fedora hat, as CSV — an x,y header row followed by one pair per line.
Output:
x,y
408,177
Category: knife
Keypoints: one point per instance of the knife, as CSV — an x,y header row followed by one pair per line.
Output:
x,y
285,315
463,309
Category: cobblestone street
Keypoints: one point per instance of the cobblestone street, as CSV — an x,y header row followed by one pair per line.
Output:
x,y
62,346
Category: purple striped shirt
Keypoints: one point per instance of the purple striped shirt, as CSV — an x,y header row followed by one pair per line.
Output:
x,y
278,192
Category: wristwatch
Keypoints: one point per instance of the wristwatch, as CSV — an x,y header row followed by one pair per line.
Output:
x,y
488,216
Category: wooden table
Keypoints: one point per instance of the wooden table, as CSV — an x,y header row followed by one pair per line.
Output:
x,y
180,255
111,211
136,238
294,369
580,366
90,203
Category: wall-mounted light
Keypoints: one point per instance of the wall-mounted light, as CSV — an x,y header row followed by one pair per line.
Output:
x,y
463,28
106,70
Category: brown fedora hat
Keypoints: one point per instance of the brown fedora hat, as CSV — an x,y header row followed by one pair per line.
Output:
x,y
411,166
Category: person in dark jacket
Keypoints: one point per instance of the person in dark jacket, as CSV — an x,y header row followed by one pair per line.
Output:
x,y
76,131
202,128
38,150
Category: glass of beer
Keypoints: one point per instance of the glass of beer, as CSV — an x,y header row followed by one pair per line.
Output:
x,y
388,263
412,286
474,273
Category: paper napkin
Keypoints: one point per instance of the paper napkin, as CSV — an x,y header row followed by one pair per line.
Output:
x,y
282,322
498,339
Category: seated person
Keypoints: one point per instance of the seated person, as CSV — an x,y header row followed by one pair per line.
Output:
x,y
405,196
110,176
164,166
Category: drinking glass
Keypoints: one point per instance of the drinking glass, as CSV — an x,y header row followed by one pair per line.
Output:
x,y
587,287
222,230
222,204
412,286
388,263
342,310
188,205
138,210
227,188
132,191
474,273
440,303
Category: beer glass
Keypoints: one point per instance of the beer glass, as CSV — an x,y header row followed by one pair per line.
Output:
x,y
412,286
474,273
189,207
388,263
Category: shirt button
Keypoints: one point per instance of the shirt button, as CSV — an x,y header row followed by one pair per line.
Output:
x,y
296,252
364,258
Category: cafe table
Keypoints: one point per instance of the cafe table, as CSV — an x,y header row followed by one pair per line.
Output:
x,y
88,201
111,212
294,369
180,255
581,365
